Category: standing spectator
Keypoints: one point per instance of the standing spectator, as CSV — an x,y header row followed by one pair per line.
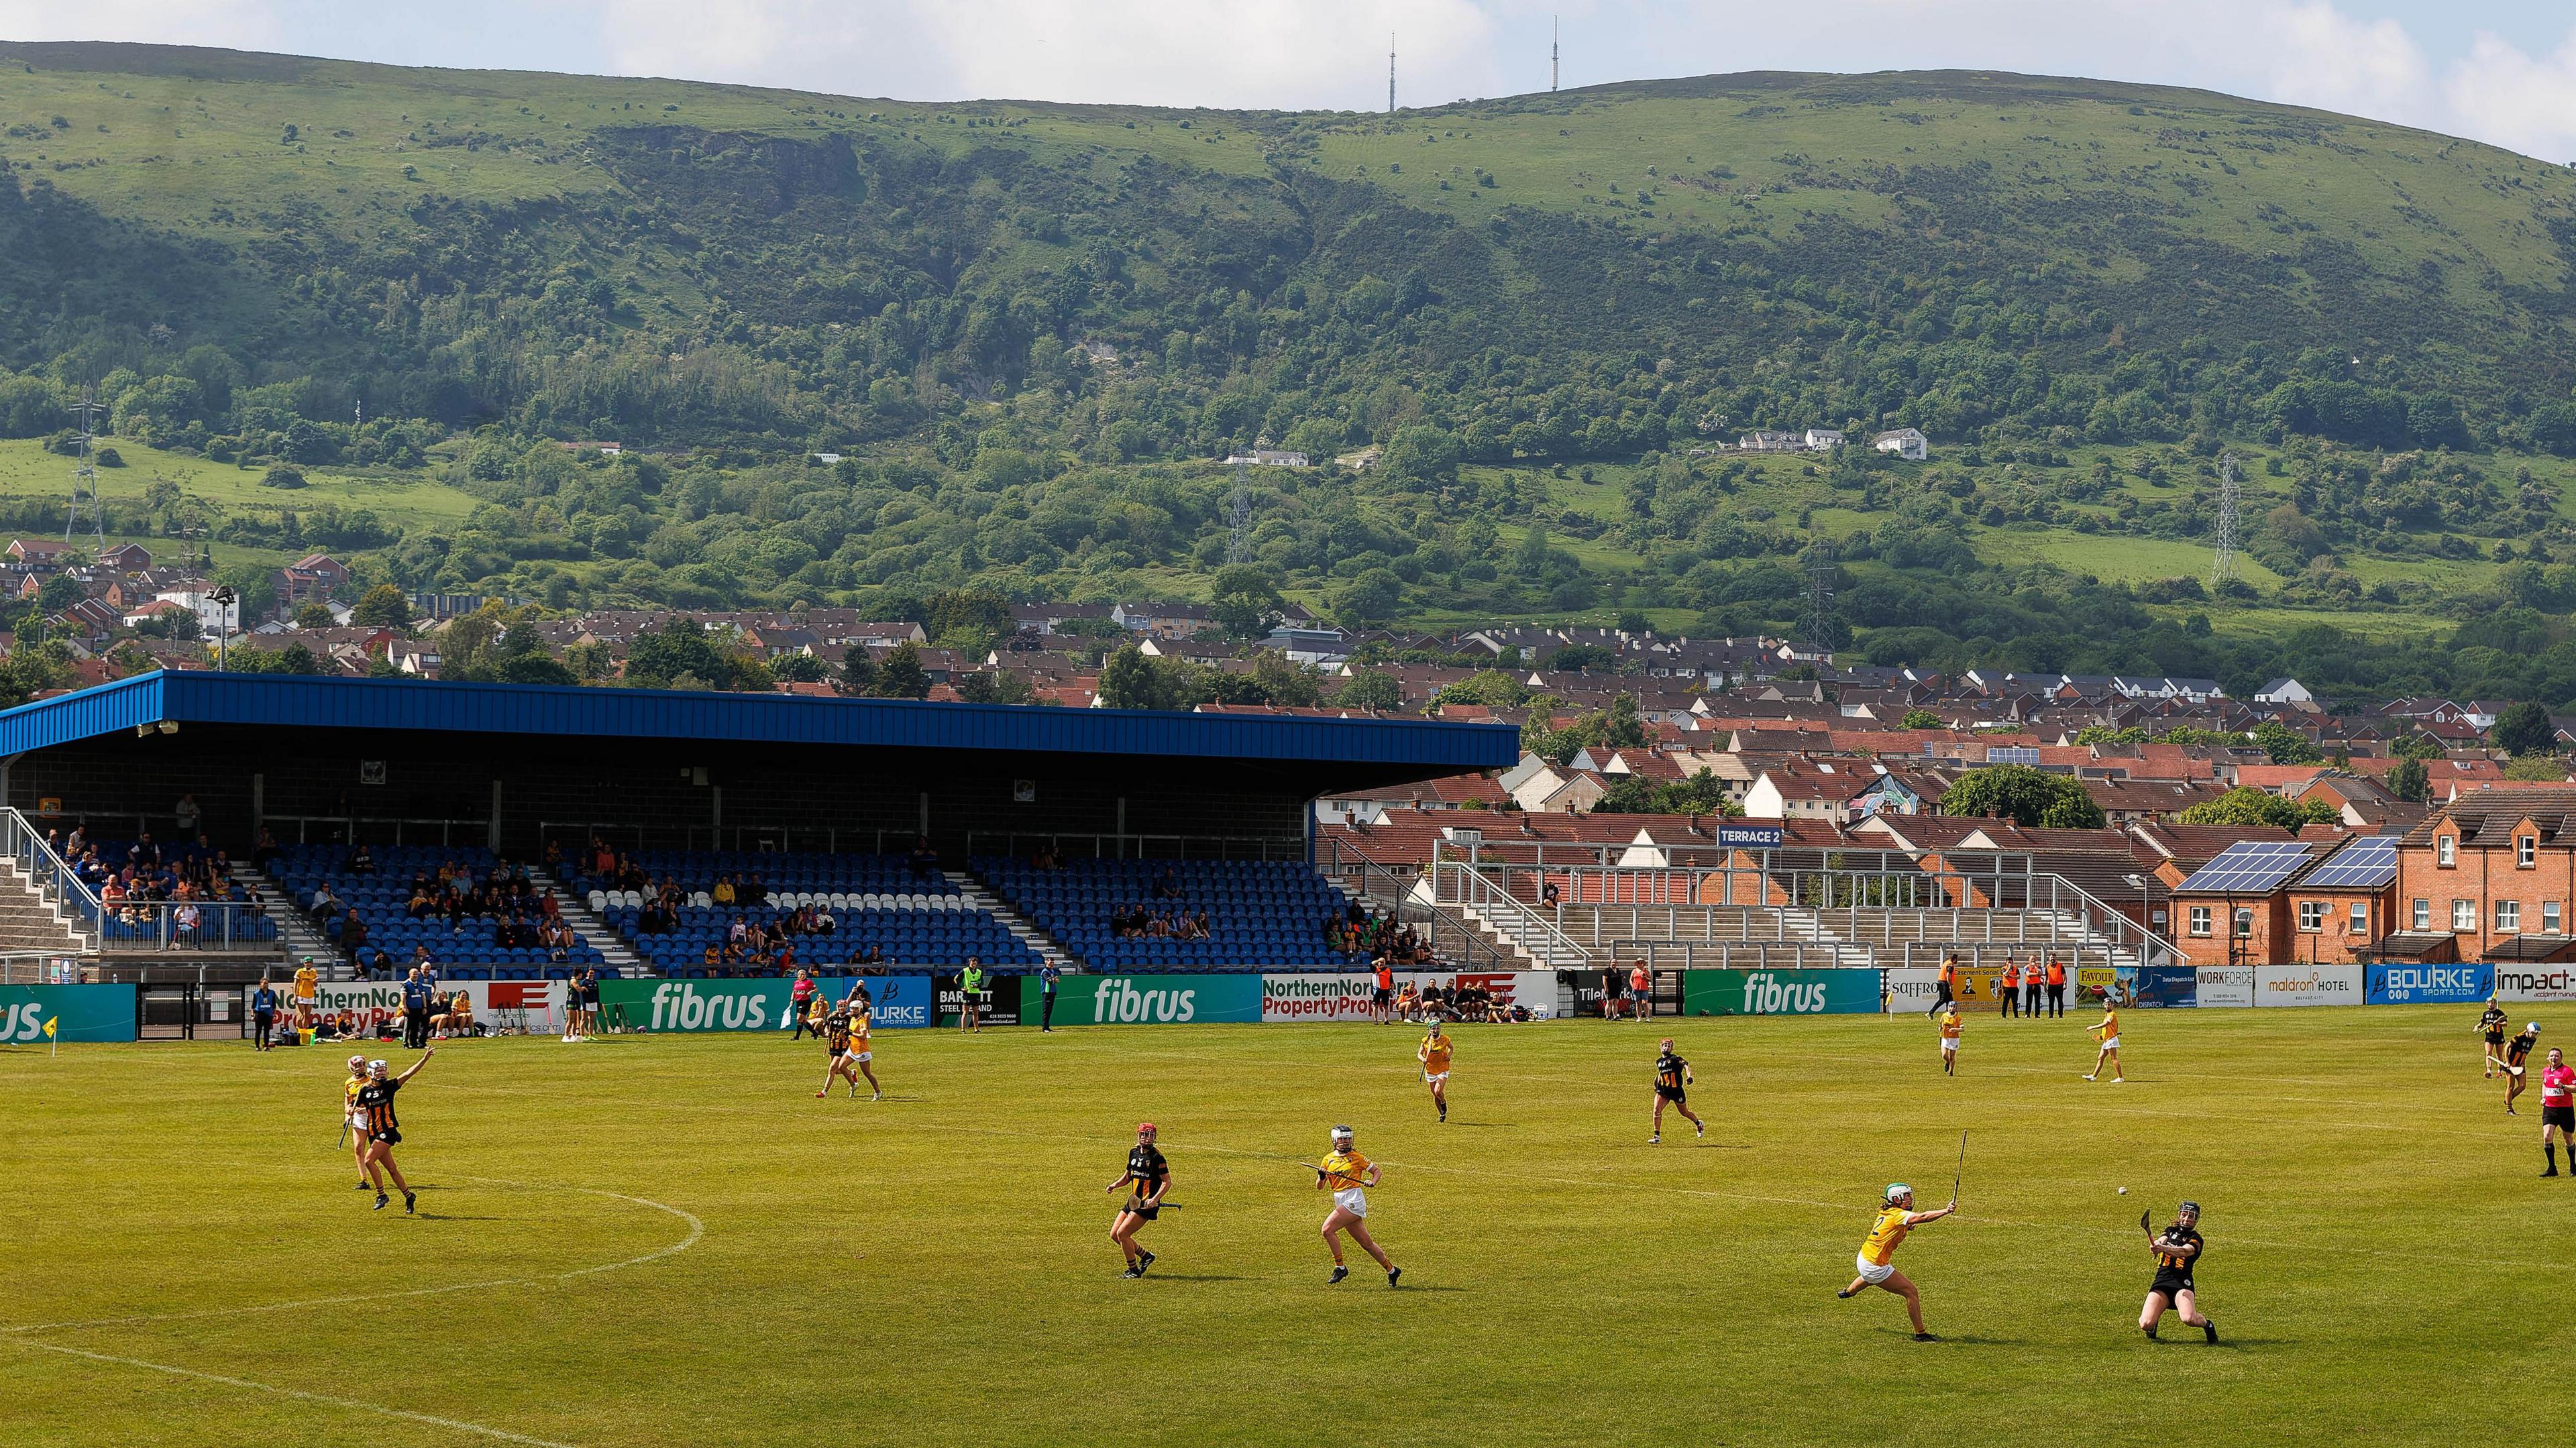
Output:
x,y
1047,975
2008,986
1382,1000
1641,992
415,1001
263,1014
187,814
1613,986
970,996
2056,987
2030,987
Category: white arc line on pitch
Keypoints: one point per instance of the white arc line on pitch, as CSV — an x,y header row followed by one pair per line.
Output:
x,y
459,1424
697,1230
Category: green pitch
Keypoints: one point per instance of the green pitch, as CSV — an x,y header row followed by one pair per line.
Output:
x,y
934,1269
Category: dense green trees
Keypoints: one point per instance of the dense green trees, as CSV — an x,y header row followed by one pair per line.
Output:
x,y
2024,795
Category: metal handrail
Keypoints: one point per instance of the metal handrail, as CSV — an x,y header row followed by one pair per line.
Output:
x,y
1455,882
1704,955
46,869
129,924
1120,845
1405,898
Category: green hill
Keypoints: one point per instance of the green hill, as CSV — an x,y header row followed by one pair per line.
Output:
x,y
1021,324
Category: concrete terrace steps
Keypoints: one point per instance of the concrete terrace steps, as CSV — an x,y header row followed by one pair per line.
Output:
x,y
30,923
586,923
1012,920
296,935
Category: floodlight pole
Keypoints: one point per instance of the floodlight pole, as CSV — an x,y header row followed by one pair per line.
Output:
x,y
224,598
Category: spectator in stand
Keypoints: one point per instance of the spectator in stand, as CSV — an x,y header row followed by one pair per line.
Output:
x,y
362,861
184,921
553,857
923,861
143,854
353,935
752,893
1641,991
724,891
187,815
712,960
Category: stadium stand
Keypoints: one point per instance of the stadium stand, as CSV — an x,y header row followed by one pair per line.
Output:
x,y
138,882
768,912
480,918
1257,914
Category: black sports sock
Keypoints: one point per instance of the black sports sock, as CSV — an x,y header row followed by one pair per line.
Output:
x,y
2151,1333
2549,1149
2209,1328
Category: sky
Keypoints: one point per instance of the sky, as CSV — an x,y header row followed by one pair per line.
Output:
x,y
2501,71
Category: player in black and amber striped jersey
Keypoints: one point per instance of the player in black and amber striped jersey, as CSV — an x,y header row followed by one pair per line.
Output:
x,y
1672,1080
375,1104
2177,1250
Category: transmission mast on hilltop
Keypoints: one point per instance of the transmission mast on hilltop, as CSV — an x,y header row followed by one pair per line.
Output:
x,y
2222,564
1551,54
85,474
1390,73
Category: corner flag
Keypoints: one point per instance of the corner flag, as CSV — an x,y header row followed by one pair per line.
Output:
x,y
50,1023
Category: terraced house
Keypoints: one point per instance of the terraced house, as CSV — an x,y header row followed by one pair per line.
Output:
x,y
2489,877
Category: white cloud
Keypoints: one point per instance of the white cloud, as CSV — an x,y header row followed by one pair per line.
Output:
x,y
239,24
2502,95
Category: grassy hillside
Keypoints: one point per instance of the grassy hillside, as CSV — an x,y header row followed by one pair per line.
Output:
x,y
1020,325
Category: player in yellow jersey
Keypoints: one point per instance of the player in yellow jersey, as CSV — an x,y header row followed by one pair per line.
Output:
x,y
1346,1174
1877,1260
353,1123
2107,1031
1434,1056
860,1054
1950,1028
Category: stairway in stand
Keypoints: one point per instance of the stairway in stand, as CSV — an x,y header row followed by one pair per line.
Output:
x,y
586,923
30,924
1012,920
297,936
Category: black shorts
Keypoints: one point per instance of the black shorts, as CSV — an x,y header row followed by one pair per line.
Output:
x,y
2495,1043
2563,1117
389,1136
263,1020
2171,1283
1674,1094
1381,995
1136,1208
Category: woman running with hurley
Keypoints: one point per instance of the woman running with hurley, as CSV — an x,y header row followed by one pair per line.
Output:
x,y
1346,1174
1150,1178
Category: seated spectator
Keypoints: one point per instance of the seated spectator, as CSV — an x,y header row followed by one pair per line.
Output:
x,y
553,857
362,861
325,904
456,1020
822,921
724,891
423,904
264,849
184,922
1045,858
923,861
751,892
1169,886
714,957
353,935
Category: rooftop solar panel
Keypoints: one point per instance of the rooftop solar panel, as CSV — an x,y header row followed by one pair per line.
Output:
x,y
2364,864
2250,866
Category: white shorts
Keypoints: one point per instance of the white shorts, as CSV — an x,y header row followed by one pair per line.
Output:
x,y
1435,1080
1352,1200
2110,1043
1872,1273
1949,1046
863,1055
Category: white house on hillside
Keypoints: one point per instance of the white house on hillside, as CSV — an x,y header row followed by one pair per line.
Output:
x,y
1905,442
1823,439
2284,691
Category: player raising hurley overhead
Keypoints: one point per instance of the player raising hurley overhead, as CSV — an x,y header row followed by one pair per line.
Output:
x,y
1434,1055
1347,1174
1672,1078
2491,1026
1147,1173
383,1134
1877,1259
2516,1051
2177,1251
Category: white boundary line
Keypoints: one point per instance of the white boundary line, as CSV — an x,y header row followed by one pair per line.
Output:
x,y
459,1424
697,1230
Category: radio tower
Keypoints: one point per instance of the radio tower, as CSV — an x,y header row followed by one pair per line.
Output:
x,y
1551,54
1390,73
2222,565
85,474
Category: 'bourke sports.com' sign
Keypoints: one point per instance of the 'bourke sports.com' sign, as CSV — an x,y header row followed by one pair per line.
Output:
x,y
2397,985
